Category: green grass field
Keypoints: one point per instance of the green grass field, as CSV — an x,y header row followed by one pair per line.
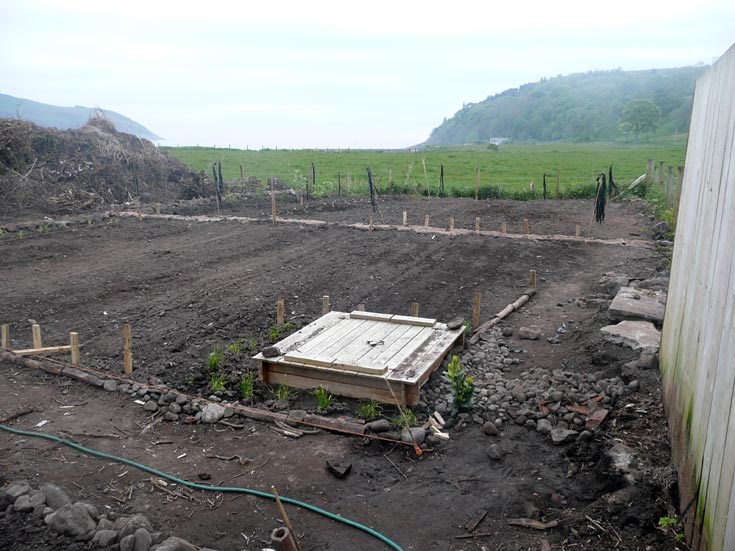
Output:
x,y
507,172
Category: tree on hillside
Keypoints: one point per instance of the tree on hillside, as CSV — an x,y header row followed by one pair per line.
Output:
x,y
639,115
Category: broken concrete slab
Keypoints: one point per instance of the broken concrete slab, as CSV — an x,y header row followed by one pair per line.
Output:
x,y
638,335
638,304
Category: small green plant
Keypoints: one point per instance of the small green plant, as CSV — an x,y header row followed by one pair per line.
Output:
x,y
463,386
217,382
21,234
667,522
406,418
235,347
671,526
247,386
275,332
215,358
89,222
281,392
468,328
43,229
323,398
369,411
252,344
2,233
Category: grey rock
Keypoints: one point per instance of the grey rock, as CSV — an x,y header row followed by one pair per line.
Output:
x,y
37,498
528,333
174,544
647,361
585,436
174,407
169,416
127,526
638,335
23,504
270,351
623,461
507,331
104,538
110,385
414,434
142,540
495,453
127,543
12,493
455,323
212,413
181,399
490,429
544,426
562,436
72,520
104,524
381,425
55,496
91,509
339,469
151,405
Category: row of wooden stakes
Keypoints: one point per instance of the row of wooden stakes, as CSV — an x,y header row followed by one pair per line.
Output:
x,y
415,307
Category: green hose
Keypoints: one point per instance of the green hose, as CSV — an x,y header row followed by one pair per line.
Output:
x,y
204,487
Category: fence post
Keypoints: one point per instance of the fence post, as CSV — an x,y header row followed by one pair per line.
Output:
x,y
476,310
5,335
280,311
74,342
649,171
661,172
415,309
677,194
36,330
558,183
477,184
325,304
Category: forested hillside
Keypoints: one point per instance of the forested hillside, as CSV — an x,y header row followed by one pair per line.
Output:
x,y
580,107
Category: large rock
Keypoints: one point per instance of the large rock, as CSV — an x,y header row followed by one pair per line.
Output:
x,y
55,496
638,304
529,333
638,335
415,435
72,520
212,413
104,538
12,493
127,526
562,436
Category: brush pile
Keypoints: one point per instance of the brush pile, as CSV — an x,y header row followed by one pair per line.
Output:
x,y
92,167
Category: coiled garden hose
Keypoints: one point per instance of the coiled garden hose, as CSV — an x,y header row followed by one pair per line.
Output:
x,y
204,487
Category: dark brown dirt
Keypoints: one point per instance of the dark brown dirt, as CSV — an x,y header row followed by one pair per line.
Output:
x,y
187,287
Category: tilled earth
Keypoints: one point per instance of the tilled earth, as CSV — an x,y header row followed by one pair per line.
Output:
x,y
188,287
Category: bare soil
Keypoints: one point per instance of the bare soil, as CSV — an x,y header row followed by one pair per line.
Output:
x,y
188,287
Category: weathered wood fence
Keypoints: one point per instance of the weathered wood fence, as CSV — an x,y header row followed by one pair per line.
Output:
x,y
698,343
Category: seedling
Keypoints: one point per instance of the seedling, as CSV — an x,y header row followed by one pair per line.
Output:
x,y
217,382
463,386
281,392
247,386
215,358
2,233
275,332
43,229
323,398
405,419
235,347
21,234
252,344
369,410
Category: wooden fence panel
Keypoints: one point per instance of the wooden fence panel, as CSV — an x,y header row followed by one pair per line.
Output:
x,y
698,341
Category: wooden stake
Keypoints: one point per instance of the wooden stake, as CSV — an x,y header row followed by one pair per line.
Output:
x,y
558,183
325,304
242,172
301,200
371,223
361,307
477,184
405,218
476,310
415,309
158,208
504,227
451,223
36,330
426,221
649,171
578,231
74,342
661,172
273,202
5,335
280,311
284,517
127,335
477,224
532,278
526,227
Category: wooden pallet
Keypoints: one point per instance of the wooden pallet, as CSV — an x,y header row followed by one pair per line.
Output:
x,y
362,355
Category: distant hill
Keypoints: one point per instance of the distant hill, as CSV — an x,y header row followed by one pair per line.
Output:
x,y
64,118
579,107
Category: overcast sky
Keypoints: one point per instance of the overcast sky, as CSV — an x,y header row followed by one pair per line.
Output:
x,y
329,73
